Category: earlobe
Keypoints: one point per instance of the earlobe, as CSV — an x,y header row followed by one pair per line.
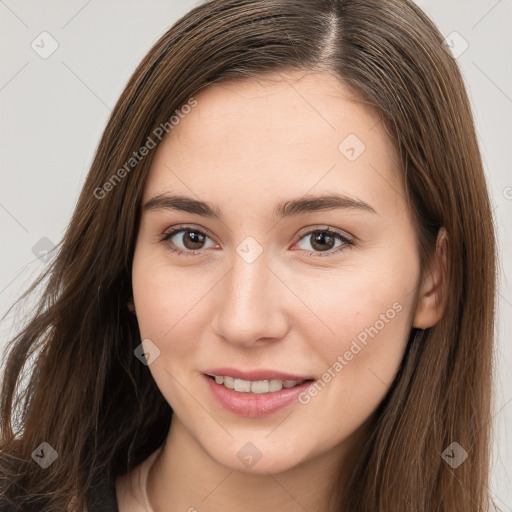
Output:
x,y
433,290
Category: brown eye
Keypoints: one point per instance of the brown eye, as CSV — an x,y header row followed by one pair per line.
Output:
x,y
186,240
324,241
193,240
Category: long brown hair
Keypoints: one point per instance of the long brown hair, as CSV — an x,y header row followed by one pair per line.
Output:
x,y
92,400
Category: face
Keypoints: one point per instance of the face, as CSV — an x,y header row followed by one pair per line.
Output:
x,y
302,266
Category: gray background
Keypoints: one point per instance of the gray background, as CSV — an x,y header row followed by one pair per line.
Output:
x,y
54,109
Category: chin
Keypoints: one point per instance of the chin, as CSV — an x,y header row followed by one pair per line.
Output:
x,y
257,457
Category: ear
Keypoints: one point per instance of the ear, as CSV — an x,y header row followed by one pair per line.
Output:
x,y
433,290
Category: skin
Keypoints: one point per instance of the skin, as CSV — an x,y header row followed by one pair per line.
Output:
x,y
246,146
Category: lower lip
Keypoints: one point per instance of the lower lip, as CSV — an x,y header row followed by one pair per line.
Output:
x,y
254,405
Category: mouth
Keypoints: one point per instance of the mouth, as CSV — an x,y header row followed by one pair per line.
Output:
x,y
255,398
255,394
257,387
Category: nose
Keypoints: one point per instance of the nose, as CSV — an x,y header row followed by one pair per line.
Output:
x,y
251,307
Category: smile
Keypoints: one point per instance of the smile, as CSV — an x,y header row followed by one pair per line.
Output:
x,y
255,398
255,386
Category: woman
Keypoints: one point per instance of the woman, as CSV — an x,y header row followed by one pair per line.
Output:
x,y
277,288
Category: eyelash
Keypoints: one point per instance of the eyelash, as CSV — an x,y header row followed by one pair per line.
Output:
x,y
347,242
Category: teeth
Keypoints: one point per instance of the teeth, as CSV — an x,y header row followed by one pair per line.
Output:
x,y
260,386
255,386
242,385
229,382
275,385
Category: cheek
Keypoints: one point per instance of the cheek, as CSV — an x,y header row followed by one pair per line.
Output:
x,y
366,320
168,303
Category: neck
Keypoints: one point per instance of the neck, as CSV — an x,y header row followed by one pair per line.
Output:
x,y
185,477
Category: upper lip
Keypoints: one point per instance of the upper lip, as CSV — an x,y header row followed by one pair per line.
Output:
x,y
260,374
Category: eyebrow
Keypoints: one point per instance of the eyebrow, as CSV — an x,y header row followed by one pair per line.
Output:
x,y
288,208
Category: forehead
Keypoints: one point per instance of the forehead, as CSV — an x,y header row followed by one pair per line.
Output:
x,y
282,132
277,110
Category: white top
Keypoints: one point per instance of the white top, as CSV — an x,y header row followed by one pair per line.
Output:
x,y
131,488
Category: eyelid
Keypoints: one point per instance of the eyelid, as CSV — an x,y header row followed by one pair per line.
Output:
x,y
329,229
169,233
348,239
191,227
